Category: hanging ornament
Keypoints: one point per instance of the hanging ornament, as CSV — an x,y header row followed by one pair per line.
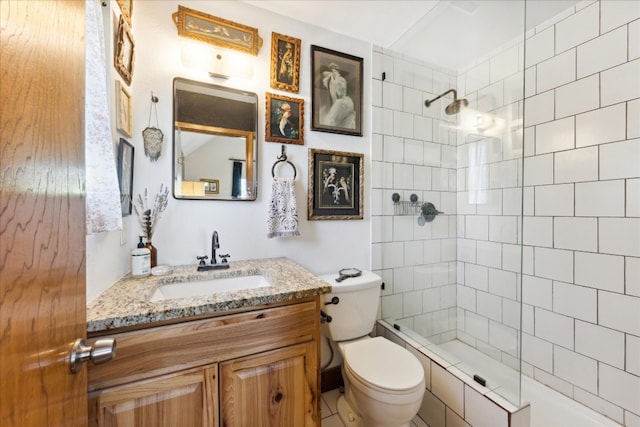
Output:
x,y
152,136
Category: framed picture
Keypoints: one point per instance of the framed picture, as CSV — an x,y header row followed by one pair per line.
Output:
x,y
125,175
123,109
126,7
336,92
335,185
285,119
211,186
124,54
285,62
216,31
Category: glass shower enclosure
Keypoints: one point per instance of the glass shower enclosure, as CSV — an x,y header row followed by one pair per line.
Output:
x,y
448,184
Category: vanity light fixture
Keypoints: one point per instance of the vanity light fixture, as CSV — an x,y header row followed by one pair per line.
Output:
x,y
217,62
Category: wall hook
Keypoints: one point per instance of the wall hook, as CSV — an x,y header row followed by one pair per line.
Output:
x,y
283,155
154,98
283,158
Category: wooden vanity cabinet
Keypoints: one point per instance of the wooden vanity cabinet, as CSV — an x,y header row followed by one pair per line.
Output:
x,y
257,368
168,401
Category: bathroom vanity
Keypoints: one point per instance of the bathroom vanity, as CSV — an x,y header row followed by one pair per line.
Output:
x,y
233,358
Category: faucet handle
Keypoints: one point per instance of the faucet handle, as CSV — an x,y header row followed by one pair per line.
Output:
x,y
224,258
202,259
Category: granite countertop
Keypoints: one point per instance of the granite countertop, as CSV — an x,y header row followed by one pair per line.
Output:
x,y
126,302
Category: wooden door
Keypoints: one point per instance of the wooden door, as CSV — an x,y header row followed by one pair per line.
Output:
x,y
188,399
42,214
272,389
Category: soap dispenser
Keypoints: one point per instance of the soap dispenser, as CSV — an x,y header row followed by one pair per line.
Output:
x,y
140,260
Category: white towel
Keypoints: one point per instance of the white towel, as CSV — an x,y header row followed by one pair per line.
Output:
x,y
282,218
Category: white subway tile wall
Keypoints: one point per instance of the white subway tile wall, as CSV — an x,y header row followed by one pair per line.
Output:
x,y
563,179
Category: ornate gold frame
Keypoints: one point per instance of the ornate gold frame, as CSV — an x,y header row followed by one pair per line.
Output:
x,y
126,8
285,61
320,193
124,52
273,132
216,31
123,110
212,130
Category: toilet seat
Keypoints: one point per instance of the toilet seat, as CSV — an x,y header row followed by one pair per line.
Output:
x,y
383,366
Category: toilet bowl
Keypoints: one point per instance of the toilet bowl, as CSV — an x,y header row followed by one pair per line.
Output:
x,y
384,384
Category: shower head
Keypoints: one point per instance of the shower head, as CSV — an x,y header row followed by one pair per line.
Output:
x,y
455,107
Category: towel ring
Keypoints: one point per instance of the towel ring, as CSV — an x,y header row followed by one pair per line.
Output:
x,y
283,158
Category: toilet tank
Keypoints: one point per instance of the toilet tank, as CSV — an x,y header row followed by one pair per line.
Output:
x,y
355,313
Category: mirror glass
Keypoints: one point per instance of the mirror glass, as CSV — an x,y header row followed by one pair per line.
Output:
x,y
214,142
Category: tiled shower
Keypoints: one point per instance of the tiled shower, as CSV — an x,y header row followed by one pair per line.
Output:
x,y
541,203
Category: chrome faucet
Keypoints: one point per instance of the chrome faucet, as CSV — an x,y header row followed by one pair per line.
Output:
x,y
215,244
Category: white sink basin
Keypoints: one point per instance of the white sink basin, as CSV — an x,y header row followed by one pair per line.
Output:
x,y
208,287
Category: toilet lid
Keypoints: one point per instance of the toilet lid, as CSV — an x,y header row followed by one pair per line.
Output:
x,y
383,364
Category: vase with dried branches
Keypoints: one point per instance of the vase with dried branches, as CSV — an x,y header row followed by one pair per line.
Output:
x,y
148,216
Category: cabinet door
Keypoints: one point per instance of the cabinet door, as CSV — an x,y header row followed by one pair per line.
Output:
x,y
187,400
273,389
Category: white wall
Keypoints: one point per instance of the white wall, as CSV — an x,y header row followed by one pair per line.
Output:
x,y
581,289
186,226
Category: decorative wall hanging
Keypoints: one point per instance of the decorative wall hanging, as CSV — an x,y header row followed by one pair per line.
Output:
x,y
123,109
336,92
216,31
285,119
335,185
125,175
126,7
124,52
285,62
151,135
211,186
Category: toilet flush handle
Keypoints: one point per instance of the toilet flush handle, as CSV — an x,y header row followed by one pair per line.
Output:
x,y
334,300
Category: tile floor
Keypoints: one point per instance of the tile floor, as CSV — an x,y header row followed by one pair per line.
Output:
x,y
329,411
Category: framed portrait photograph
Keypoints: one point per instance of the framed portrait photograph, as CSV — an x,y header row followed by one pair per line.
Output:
x,y
125,175
124,51
123,109
285,62
285,119
335,185
126,8
336,92
220,32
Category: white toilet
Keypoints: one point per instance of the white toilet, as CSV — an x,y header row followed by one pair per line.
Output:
x,y
384,383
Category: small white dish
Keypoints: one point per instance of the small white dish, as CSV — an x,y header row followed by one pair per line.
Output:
x,y
161,270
